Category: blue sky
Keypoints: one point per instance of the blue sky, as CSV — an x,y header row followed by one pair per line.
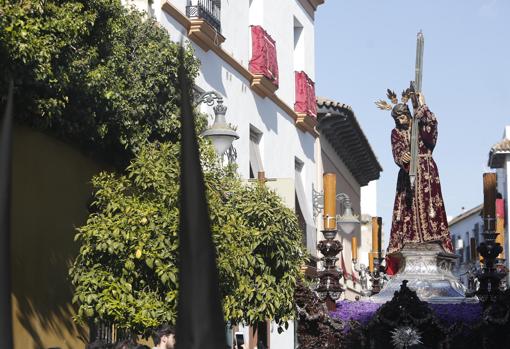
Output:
x,y
364,47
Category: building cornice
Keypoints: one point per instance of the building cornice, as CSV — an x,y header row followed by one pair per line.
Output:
x,y
263,86
499,154
310,6
316,3
305,123
475,210
338,124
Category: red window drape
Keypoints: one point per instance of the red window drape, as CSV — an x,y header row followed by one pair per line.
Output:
x,y
305,95
263,58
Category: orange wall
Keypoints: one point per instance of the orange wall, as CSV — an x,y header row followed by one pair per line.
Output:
x,y
51,189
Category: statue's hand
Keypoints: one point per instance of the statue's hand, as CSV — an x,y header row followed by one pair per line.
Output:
x,y
421,99
406,158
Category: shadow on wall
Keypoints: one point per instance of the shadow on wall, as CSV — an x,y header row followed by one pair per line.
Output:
x,y
51,189
213,71
307,144
269,113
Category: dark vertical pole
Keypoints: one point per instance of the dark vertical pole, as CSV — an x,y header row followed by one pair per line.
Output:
x,y
200,322
6,340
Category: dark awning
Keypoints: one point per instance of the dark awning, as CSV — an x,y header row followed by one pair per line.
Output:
x,y
338,124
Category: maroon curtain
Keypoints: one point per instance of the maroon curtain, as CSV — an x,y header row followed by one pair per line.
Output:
x,y
306,101
263,58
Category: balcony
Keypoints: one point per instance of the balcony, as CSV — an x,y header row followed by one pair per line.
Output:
x,y
305,95
204,22
263,63
208,10
306,103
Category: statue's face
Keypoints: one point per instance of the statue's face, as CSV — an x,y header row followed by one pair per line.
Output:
x,y
403,119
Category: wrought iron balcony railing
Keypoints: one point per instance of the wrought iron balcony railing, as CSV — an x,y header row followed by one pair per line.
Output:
x,y
208,10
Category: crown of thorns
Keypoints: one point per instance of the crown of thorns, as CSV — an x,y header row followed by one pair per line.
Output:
x,y
392,96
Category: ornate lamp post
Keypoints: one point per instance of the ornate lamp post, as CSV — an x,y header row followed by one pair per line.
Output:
x,y
220,133
329,288
489,276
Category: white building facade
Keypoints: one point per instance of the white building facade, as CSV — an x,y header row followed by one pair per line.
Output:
x,y
346,152
259,57
499,159
463,228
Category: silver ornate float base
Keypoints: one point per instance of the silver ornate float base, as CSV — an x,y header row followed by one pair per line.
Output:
x,y
428,269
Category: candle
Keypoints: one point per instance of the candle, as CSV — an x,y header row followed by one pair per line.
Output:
x,y
329,201
354,248
379,237
370,261
489,201
472,248
375,234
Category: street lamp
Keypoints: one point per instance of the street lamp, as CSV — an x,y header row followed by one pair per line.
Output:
x,y
220,133
347,221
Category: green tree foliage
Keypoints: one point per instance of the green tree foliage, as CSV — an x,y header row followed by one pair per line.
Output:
x,y
126,270
104,77
91,71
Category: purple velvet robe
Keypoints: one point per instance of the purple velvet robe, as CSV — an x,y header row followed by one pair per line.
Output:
x,y
419,215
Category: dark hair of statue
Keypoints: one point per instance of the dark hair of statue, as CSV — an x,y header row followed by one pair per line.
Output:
x,y
399,109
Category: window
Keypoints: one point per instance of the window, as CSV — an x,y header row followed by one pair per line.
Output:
x,y
299,197
255,158
256,12
467,255
299,46
460,249
302,208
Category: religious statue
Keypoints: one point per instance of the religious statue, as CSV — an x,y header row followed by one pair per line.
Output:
x,y
420,250
418,213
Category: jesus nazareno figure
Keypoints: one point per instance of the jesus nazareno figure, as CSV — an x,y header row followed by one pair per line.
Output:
x,y
418,214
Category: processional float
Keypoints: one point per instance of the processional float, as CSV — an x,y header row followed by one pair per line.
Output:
x,y
420,255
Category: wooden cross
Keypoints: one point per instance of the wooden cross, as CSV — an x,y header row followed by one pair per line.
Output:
x,y
261,178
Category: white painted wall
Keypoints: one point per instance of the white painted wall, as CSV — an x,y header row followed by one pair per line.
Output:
x,y
368,205
284,339
465,229
277,18
281,141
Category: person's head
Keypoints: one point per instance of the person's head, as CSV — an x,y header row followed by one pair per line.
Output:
x,y
164,337
126,344
401,114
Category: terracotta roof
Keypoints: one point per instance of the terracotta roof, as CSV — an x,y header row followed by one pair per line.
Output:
x,y
338,124
460,217
498,153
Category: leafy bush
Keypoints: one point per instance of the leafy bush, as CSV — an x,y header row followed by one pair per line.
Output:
x,y
105,78
126,270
